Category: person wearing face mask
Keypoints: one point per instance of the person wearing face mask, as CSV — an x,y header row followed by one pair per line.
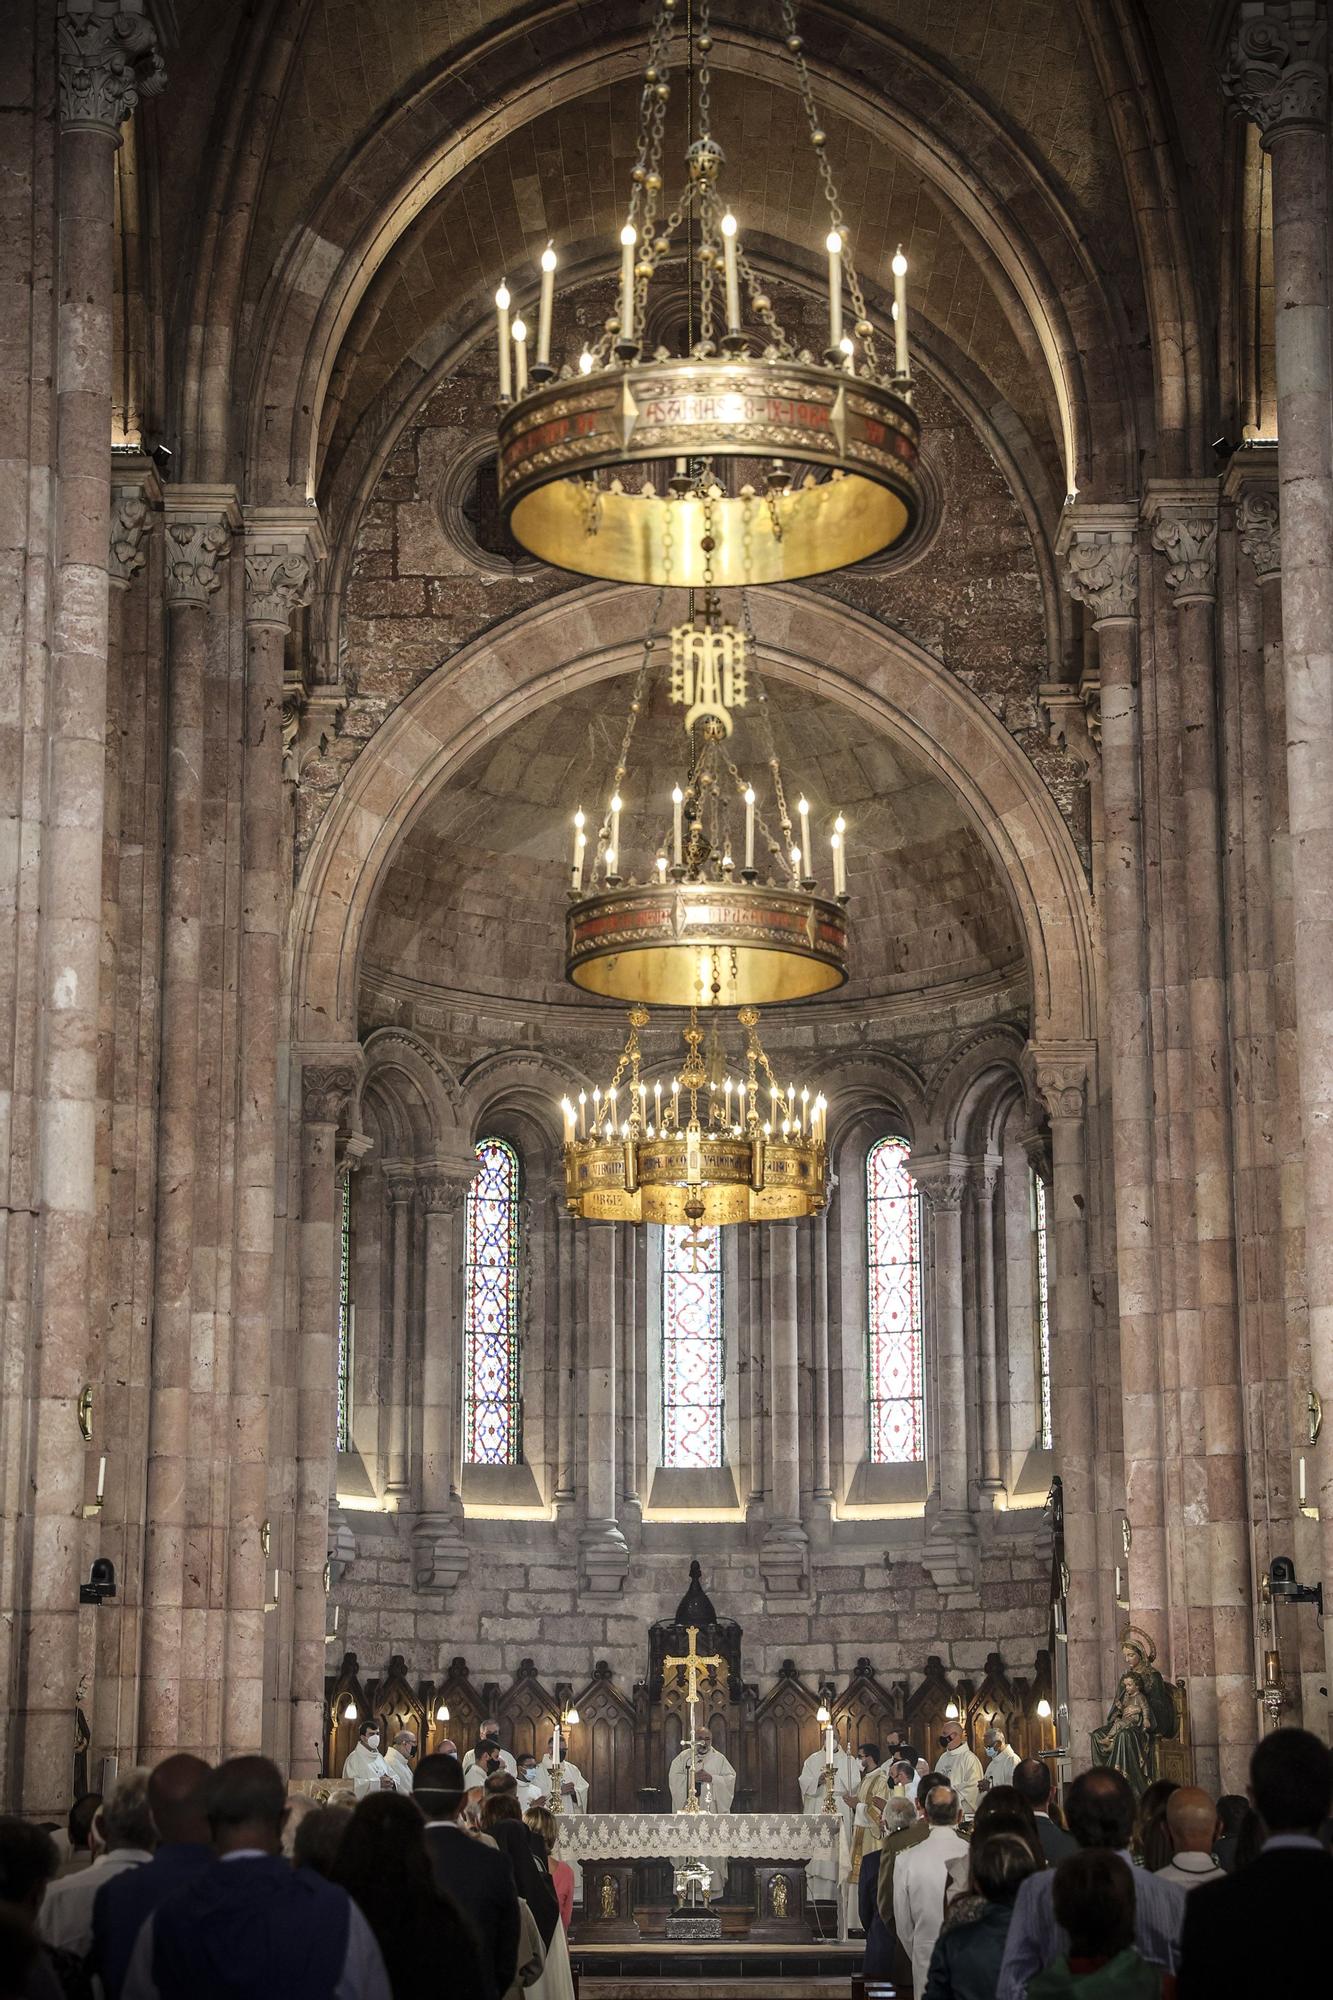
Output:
x,y
1001,1759
365,1770
961,1766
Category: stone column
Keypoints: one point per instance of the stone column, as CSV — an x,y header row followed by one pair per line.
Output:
x,y
106,59
603,1551
1061,1072
199,526
823,1487
784,1551
1100,550
942,1181
399,1187
440,1556
984,1177
328,1081
1184,529
565,1487
1277,73
282,547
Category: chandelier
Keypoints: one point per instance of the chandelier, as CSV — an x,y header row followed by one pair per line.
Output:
x,y
744,454
711,1146
696,921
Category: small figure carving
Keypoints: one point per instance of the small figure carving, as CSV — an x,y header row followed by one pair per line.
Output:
x,y
777,1895
610,1896
1143,1710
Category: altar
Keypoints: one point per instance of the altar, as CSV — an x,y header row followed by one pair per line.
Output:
x,y
608,1847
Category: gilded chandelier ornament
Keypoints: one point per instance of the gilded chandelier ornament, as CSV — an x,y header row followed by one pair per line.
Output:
x,y
744,455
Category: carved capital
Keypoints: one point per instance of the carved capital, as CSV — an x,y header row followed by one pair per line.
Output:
x,y
943,1183
983,1178
1189,543
1276,70
108,61
1259,533
200,522
1101,562
135,494
283,546
327,1088
400,1181
1060,1073
440,1191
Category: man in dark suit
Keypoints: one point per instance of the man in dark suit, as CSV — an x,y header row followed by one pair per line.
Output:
x,y
1032,1781
472,1870
1264,1929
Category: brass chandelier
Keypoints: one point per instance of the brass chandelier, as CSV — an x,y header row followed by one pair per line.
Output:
x,y
707,1148
743,455
722,906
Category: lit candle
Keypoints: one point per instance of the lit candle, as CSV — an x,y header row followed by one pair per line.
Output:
x,y
615,823
101,1479
546,306
749,827
568,1110
833,244
828,1744
585,363
555,1744
805,1101
740,1103
628,238
730,274
677,831
796,864
583,1114
657,1103
502,328
520,357
726,1091
661,867
839,857
848,348
643,1104
900,360
580,842
803,808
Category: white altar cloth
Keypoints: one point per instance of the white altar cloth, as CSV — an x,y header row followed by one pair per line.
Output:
x,y
735,1836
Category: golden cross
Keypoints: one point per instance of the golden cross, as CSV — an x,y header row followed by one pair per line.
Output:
x,y
692,1662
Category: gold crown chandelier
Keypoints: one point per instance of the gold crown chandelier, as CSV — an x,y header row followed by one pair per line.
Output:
x,y
702,924
711,1147
765,465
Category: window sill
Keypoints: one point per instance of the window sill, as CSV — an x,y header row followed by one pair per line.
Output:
x,y
683,1494
886,1490
491,1491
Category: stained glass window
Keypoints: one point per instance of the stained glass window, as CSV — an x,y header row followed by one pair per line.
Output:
x,y
693,1374
896,1342
491,1408
345,1314
1042,1286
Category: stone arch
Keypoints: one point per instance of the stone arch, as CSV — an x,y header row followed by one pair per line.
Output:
x,y
592,633
418,1092
959,1086
1041,271
867,1088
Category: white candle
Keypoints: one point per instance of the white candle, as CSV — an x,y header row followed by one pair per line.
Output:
x,y
657,1104
520,357
568,1110
848,348
502,329
740,1104
900,361
580,842
546,306
628,238
726,1091
805,1103
101,1479
839,856
803,808
796,864
833,244
583,1114
555,1744
585,363
749,826
615,826
661,867
828,1744
730,273
677,833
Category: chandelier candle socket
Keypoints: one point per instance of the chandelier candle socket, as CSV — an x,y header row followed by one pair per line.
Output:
x,y
744,460
701,1152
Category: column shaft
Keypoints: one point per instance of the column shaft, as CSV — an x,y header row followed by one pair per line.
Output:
x,y
784,1376
399,1189
983,1193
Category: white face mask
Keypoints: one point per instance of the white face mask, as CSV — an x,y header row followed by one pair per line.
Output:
x,y
372,1742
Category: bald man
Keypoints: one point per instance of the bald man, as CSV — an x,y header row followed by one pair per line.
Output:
x,y
1191,1819
185,1847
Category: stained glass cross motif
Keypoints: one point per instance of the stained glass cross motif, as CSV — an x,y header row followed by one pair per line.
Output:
x,y
693,1358
491,1403
895,1356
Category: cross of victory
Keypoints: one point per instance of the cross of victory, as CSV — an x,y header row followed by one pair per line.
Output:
x,y
692,1662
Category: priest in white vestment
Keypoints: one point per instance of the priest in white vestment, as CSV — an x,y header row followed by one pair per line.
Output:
x,y
530,1791
715,1782
489,1737
399,1759
365,1770
823,1874
961,1766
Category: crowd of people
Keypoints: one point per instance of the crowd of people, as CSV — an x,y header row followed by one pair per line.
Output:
x,y
195,1883
1174,1896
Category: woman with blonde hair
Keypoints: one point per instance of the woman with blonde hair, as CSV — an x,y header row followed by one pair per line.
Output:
x,y
541,1820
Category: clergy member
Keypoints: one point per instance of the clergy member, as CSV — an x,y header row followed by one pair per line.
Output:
x,y
961,1766
530,1790
399,1759
1001,1758
868,1808
823,1874
488,1737
365,1770
715,1782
